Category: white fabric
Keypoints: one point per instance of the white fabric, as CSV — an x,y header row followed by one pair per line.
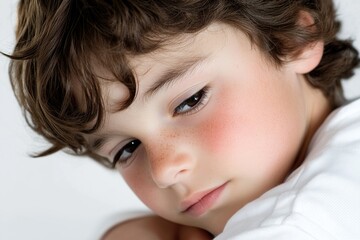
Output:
x,y
321,199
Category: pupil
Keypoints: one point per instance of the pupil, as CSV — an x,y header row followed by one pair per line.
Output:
x,y
195,99
132,146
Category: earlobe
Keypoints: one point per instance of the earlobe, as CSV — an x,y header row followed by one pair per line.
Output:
x,y
309,58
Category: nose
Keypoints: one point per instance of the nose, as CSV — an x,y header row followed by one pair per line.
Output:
x,y
170,165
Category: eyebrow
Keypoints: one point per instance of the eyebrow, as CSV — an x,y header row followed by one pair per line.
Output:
x,y
98,143
169,77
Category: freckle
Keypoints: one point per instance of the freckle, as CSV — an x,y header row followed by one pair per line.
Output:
x,y
161,153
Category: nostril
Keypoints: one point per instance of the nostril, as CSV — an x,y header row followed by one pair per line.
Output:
x,y
181,172
165,175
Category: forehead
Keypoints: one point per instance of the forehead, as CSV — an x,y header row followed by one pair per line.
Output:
x,y
182,48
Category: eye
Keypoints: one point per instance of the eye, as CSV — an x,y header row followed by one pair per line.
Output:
x,y
193,103
125,153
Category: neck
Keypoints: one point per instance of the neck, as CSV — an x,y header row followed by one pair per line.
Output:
x,y
319,108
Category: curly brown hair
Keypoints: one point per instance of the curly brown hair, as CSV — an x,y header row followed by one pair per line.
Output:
x,y
59,41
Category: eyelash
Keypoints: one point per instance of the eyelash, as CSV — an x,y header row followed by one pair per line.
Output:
x,y
199,97
132,145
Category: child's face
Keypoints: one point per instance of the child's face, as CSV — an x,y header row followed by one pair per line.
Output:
x,y
225,131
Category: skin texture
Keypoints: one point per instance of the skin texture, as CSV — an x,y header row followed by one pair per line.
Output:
x,y
248,134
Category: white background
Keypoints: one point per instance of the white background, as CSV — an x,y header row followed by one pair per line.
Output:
x,y
65,197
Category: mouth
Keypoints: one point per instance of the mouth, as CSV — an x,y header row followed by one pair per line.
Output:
x,y
199,203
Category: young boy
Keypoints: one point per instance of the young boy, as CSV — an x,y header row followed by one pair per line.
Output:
x,y
210,110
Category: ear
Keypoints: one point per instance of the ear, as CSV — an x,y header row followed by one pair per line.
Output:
x,y
310,55
309,58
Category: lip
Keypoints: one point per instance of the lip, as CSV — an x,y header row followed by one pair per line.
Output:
x,y
199,203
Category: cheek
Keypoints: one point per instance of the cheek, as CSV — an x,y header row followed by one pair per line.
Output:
x,y
259,134
138,181
144,188
221,127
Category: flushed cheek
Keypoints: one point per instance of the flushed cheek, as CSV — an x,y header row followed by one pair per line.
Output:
x,y
221,127
250,137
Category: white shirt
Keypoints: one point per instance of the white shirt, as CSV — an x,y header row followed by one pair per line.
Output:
x,y
319,200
